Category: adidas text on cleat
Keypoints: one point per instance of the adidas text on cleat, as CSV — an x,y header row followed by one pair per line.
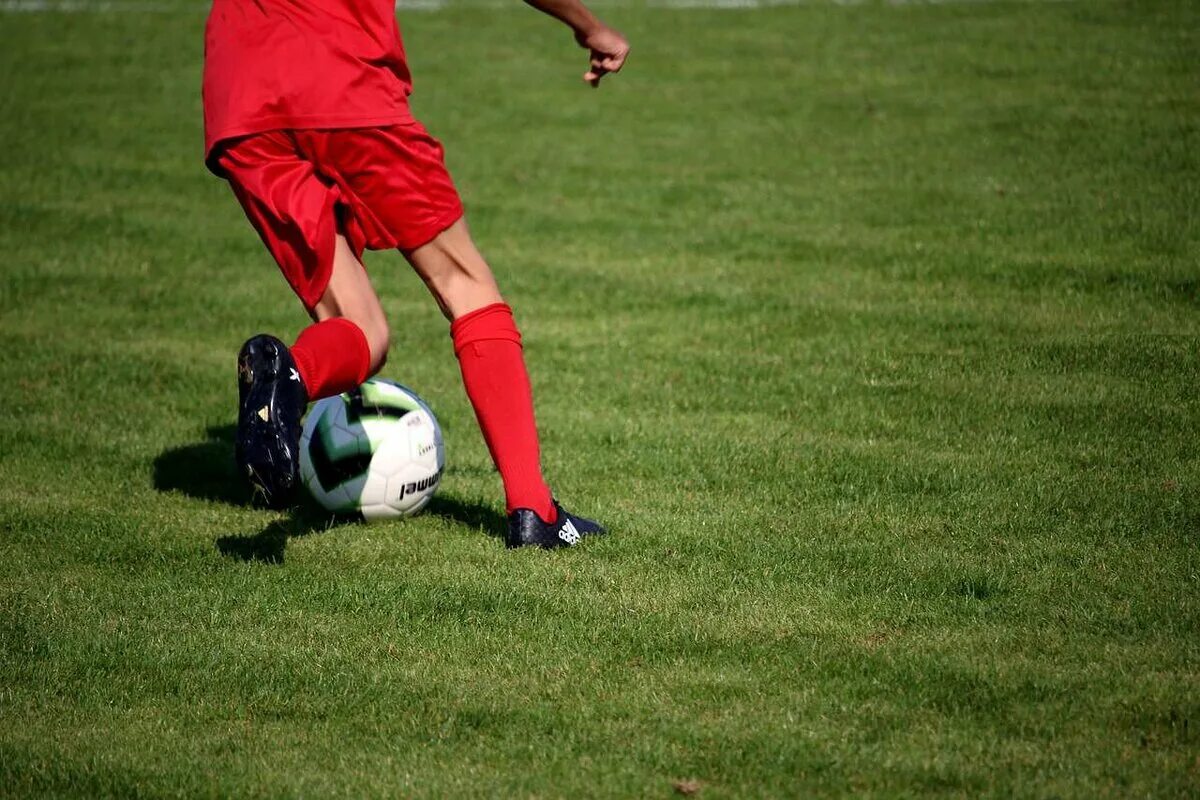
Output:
x,y
271,401
526,529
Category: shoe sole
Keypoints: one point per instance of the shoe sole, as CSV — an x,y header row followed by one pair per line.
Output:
x,y
257,435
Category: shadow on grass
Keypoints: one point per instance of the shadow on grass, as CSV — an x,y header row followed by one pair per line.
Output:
x,y
205,471
269,545
472,513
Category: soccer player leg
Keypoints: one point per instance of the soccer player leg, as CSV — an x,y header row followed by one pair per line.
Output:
x,y
349,340
347,343
290,208
488,346
455,272
293,210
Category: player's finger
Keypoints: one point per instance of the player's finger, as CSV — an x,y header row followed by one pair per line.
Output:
x,y
593,76
613,64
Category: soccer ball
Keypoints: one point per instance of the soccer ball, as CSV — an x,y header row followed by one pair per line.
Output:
x,y
376,450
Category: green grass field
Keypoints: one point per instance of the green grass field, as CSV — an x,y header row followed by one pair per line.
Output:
x,y
873,332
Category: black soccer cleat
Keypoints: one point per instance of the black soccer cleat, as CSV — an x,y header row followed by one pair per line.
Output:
x,y
271,401
526,529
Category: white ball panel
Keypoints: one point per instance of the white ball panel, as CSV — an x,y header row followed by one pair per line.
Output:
x,y
408,487
381,511
419,506
377,430
374,488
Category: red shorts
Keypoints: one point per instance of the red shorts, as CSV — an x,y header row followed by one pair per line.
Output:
x,y
381,188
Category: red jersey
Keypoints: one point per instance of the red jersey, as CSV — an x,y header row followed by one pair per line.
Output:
x,y
302,64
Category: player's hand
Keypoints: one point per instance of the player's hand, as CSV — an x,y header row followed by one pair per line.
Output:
x,y
608,52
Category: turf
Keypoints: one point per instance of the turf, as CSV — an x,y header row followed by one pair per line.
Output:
x,y
871,330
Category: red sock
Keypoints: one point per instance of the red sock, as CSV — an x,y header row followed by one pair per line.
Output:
x,y
332,357
488,346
